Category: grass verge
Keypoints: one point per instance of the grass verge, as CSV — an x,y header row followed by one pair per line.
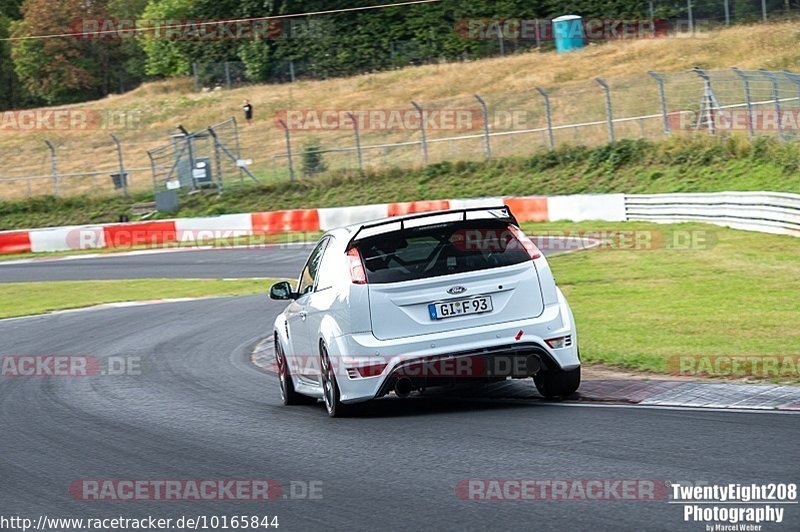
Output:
x,y
25,299
731,293
679,164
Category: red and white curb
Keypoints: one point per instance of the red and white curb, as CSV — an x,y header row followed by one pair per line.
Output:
x,y
610,207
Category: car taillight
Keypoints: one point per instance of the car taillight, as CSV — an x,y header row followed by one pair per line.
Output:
x,y
526,242
357,273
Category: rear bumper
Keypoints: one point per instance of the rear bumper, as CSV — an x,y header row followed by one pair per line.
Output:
x,y
458,350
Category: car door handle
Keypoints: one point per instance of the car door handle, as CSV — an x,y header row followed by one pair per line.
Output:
x,y
303,314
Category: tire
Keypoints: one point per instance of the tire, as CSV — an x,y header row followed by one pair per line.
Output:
x,y
288,395
330,388
558,383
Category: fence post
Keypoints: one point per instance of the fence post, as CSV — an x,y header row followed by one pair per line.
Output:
x,y
123,178
288,148
418,107
690,14
188,138
662,96
53,166
195,76
709,103
549,116
358,141
487,146
776,97
747,100
609,109
764,10
238,147
153,169
217,163
227,75
727,12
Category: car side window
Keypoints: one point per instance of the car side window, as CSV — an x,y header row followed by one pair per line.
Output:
x,y
328,267
311,270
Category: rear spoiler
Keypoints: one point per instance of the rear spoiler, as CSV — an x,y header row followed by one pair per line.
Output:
x,y
507,216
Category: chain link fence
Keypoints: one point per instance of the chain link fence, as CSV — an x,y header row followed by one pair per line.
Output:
x,y
307,143
651,106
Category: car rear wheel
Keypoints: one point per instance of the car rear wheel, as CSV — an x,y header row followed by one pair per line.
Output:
x,y
558,383
288,395
330,388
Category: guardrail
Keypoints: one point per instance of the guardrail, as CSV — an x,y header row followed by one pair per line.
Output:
x,y
767,212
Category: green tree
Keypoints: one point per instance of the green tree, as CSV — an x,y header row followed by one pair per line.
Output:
x,y
313,163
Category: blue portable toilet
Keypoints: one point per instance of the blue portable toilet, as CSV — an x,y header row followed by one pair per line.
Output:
x,y
568,33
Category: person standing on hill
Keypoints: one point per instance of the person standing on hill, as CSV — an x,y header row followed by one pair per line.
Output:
x,y
248,112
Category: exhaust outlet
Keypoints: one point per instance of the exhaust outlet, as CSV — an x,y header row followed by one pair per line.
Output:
x,y
403,387
533,364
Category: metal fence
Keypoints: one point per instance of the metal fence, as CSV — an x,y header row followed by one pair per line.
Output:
x,y
651,106
648,106
200,159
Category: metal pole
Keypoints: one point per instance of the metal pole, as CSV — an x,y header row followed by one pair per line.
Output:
x,y
549,115
708,101
196,76
238,147
418,107
53,166
662,96
188,138
153,169
609,110
227,75
651,9
747,100
690,14
123,178
288,148
727,12
358,141
776,97
217,163
487,146
764,10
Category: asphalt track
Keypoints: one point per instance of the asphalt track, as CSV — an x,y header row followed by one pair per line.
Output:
x,y
269,261
200,410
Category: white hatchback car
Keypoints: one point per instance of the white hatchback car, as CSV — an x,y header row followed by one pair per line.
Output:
x,y
403,304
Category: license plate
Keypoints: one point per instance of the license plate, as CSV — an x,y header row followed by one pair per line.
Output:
x,y
460,307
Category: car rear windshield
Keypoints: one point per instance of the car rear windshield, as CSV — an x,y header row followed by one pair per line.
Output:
x,y
444,249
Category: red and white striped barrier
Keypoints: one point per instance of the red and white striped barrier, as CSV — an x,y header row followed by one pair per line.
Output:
x,y
601,207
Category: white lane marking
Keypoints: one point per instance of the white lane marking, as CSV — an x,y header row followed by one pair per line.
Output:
x,y
43,260
109,306
674,408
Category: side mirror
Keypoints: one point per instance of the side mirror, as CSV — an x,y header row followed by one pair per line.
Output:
x,y
282,291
